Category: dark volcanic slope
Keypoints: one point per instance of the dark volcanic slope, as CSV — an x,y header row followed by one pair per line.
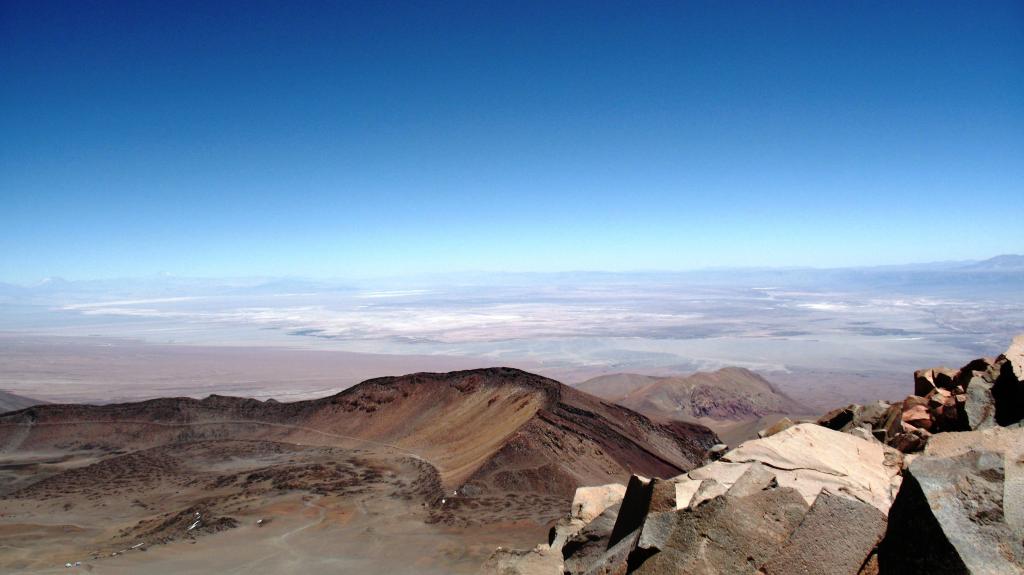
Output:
x,y
731,394
10,401
486,429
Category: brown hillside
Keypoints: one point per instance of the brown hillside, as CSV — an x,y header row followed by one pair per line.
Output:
x,y
486,429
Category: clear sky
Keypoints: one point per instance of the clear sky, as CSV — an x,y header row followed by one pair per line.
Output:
x,y
382,138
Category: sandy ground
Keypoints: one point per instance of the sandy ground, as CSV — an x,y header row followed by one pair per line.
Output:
x,y
371,524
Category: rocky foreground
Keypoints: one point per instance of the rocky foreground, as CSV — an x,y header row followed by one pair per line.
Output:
x,y
932,484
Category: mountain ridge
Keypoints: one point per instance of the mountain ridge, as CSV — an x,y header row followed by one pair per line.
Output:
x,y
492,428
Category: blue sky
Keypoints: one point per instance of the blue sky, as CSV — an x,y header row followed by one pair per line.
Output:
x,y
384,138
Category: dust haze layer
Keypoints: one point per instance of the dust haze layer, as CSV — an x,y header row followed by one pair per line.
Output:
x,y
821,335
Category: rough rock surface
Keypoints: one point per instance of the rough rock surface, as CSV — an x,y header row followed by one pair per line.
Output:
x,y
948,518
590,543
835,497
1008,441
726,534
587,504
835,538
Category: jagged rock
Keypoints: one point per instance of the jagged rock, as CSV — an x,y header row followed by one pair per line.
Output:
x,y
614,560
717,450
709,489
925,380
980,406
838,419
1005,440
633,510
589,502
686,488
563,530
862,433
835,538
948,518
713,479
585,547
541,560
873,414
1008,385
915,412
663,496
891,423
911,441
756,478
778,426
724,535
655,533
809,457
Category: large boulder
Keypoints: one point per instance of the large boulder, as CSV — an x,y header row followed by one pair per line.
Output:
x,y
980,407
1008,387
723,535
836,537
585,547
1008,441
948,518
587,504
809,458
633,510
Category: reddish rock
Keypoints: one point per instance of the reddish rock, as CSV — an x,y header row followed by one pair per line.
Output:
x,y
916,413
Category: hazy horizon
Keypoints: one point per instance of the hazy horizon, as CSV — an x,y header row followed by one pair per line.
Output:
x,y
471,273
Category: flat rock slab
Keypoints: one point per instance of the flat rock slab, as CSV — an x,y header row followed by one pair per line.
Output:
x,y
835,538
809,458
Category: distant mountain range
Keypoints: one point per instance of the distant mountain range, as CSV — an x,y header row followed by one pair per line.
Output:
x,y
1008,263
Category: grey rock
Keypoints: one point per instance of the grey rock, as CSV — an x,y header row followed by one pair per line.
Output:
x,y
614,561
725,535
757,477
980,405
709,489
863,433
836,537
632,511
585,547
948,518
655,533
1008,441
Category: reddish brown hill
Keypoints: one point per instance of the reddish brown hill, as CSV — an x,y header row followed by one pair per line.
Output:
x,y
486,429
731,394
